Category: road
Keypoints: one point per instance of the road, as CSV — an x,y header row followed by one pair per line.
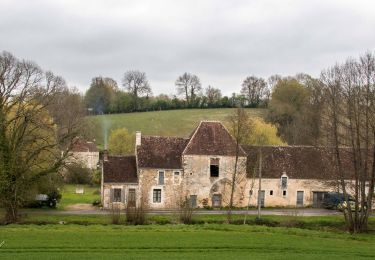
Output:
x,y
280,212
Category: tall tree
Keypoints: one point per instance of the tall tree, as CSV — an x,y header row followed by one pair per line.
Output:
x,y
255,90
189,85
349,121
238,122
29,143
100,95
213,96
137,84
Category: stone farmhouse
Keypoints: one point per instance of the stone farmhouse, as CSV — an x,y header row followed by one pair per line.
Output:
x,y
84,153
165,171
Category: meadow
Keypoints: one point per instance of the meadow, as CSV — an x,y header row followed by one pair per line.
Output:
x,y
169,123
69,196
209,241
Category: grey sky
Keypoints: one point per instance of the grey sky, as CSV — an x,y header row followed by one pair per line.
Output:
x,y
220,41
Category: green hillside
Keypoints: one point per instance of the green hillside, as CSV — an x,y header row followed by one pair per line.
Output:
x,y
169,123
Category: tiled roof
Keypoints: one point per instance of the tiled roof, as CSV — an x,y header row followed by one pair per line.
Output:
x,y
80,145
161,152
212,138
297,162
120,169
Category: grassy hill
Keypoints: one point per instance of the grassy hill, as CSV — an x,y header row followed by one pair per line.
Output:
x,y
169,123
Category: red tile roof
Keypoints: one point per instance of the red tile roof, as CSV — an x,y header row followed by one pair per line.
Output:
x,y
161,152
297,162
80,145
121,169
212,138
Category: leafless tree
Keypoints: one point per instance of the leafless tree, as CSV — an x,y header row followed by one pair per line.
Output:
x,y
350,92
238,122
189,85
213,95
29,143
255,89
137,84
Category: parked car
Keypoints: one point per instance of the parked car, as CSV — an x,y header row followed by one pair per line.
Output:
x,y
334,200
343,206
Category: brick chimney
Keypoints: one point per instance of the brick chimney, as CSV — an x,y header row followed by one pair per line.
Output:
x,y
105,155
138,137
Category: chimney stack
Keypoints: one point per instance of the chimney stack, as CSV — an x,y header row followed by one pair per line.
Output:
x,y
138,137
105,155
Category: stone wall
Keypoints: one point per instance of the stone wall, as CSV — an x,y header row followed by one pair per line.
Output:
x,y
89,160
170,191
199,182
106,191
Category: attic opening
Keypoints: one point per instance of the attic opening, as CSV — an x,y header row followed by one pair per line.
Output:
x,y
214,167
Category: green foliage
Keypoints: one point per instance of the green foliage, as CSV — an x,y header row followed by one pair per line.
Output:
x,y
77,174
121,142
100,95
262,133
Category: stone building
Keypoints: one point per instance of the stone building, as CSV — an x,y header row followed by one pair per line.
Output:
x,y
166,171
84,153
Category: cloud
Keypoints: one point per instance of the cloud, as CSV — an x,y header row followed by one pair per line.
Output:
x,y
220,41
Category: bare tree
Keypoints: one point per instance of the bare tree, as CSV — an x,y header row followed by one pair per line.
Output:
x,y
238,127
189,85
350,92
255,89
29,143
137,84
213,95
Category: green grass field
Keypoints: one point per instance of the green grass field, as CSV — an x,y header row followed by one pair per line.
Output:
x,y
179,242
69,197
169,123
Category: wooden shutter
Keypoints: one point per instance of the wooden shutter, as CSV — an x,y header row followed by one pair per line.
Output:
x,y
123,195
111,195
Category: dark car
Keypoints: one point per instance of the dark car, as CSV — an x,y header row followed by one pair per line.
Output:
x,y
332,200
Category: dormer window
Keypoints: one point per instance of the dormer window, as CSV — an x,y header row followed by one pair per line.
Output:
x,y
284,182
214,167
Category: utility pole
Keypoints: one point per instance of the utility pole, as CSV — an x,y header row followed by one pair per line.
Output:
x,y
260,182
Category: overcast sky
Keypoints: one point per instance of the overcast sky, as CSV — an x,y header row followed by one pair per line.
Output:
x,y
221,41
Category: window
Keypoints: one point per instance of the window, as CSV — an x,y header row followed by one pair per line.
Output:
x,y
284,182
271,192
157,196
176,177
116,195
216,200
193,201
284,192
300,198
131,198
161,178
214,167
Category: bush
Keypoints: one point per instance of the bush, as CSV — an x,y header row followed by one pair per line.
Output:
x,y
76,174
186,212
115,215
97,203
135,215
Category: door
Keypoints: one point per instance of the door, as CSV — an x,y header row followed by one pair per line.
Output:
x,y
318,198
193,201
299,198
131,198
216,200
262,198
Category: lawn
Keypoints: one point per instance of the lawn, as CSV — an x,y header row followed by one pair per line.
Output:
x,y
209,241
169,123
69,197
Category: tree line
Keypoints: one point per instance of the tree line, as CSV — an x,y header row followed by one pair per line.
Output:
x,y
135,94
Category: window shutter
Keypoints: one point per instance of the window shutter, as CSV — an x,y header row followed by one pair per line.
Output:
x,y
123,195
111,195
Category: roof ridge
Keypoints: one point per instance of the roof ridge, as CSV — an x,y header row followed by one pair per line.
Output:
x,y
163,136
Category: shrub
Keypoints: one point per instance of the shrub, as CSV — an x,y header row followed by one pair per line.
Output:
x,y
115,215
135,215
76,174
186,212
97,203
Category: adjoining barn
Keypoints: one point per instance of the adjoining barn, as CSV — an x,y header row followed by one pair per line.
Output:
x,y
165,171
